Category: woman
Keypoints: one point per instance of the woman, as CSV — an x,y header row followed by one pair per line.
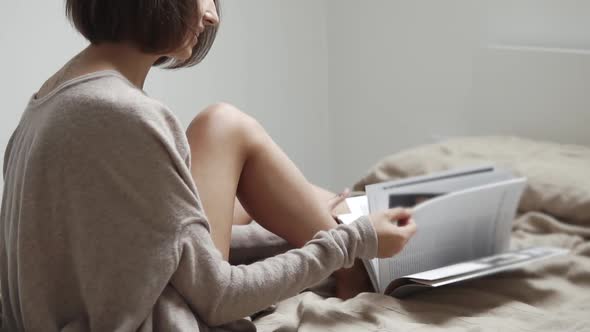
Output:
x,y
103,228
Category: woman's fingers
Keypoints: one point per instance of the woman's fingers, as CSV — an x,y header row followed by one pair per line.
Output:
x,y
399,214
334,201
394,227
408,229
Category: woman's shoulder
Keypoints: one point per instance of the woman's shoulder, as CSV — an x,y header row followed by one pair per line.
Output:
x,y
110,94
106,104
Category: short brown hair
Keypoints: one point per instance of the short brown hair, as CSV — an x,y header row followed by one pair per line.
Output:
x,y
155,26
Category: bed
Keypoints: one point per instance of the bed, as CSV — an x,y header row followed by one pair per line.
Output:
x,y
552,295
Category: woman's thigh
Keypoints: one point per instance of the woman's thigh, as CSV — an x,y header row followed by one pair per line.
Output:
x,y
232,155
219,139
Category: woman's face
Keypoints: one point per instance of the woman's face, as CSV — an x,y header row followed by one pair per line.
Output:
x,y
207,16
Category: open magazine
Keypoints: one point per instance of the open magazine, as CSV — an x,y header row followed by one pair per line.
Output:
x,y
464,220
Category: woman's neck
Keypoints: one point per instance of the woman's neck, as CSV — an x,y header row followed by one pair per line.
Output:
x,y
124,58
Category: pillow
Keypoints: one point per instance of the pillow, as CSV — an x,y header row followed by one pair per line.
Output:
x,y
558,174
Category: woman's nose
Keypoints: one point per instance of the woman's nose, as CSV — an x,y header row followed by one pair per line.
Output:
x,y
210,18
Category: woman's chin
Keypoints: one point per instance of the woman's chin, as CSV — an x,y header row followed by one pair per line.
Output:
x,y
184,55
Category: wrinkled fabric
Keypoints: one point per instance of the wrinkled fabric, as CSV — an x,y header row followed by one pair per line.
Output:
x,y
550,295
102,229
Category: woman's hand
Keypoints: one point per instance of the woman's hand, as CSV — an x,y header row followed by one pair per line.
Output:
x,y
394,228
336,204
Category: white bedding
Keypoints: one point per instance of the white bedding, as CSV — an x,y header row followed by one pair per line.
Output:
x,y
553,295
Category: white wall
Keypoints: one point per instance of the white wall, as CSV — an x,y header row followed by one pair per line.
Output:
x,y
410,78
405,72
35,40
542,23
270,60
341,83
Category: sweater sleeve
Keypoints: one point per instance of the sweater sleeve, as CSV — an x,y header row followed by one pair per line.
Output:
x,y
139,169
219,292
7,153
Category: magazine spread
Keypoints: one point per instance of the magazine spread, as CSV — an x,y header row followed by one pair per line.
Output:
x,y
464,219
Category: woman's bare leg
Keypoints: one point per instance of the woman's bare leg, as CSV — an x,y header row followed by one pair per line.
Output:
x,y
232,155
351,281
241,217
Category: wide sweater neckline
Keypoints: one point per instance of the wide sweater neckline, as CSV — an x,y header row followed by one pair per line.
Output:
x,y
34,101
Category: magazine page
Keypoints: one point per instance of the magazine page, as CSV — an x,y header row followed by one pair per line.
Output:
x,y
358,204
412,191
456,227
464,271
485,266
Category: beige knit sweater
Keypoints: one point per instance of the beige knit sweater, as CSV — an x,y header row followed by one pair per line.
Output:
x,y
102,229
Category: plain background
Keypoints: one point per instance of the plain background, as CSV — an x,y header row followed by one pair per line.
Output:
x,y
340,84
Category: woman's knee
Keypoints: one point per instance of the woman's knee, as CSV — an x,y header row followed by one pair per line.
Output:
x,y
224,121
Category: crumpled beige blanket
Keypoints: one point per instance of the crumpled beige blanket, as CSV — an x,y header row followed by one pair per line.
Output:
x,y
552,295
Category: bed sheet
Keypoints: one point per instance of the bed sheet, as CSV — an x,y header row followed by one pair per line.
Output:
x,y
552,295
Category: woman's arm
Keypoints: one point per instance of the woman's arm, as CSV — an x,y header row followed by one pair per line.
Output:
x,y
157,230
139,173
220,293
